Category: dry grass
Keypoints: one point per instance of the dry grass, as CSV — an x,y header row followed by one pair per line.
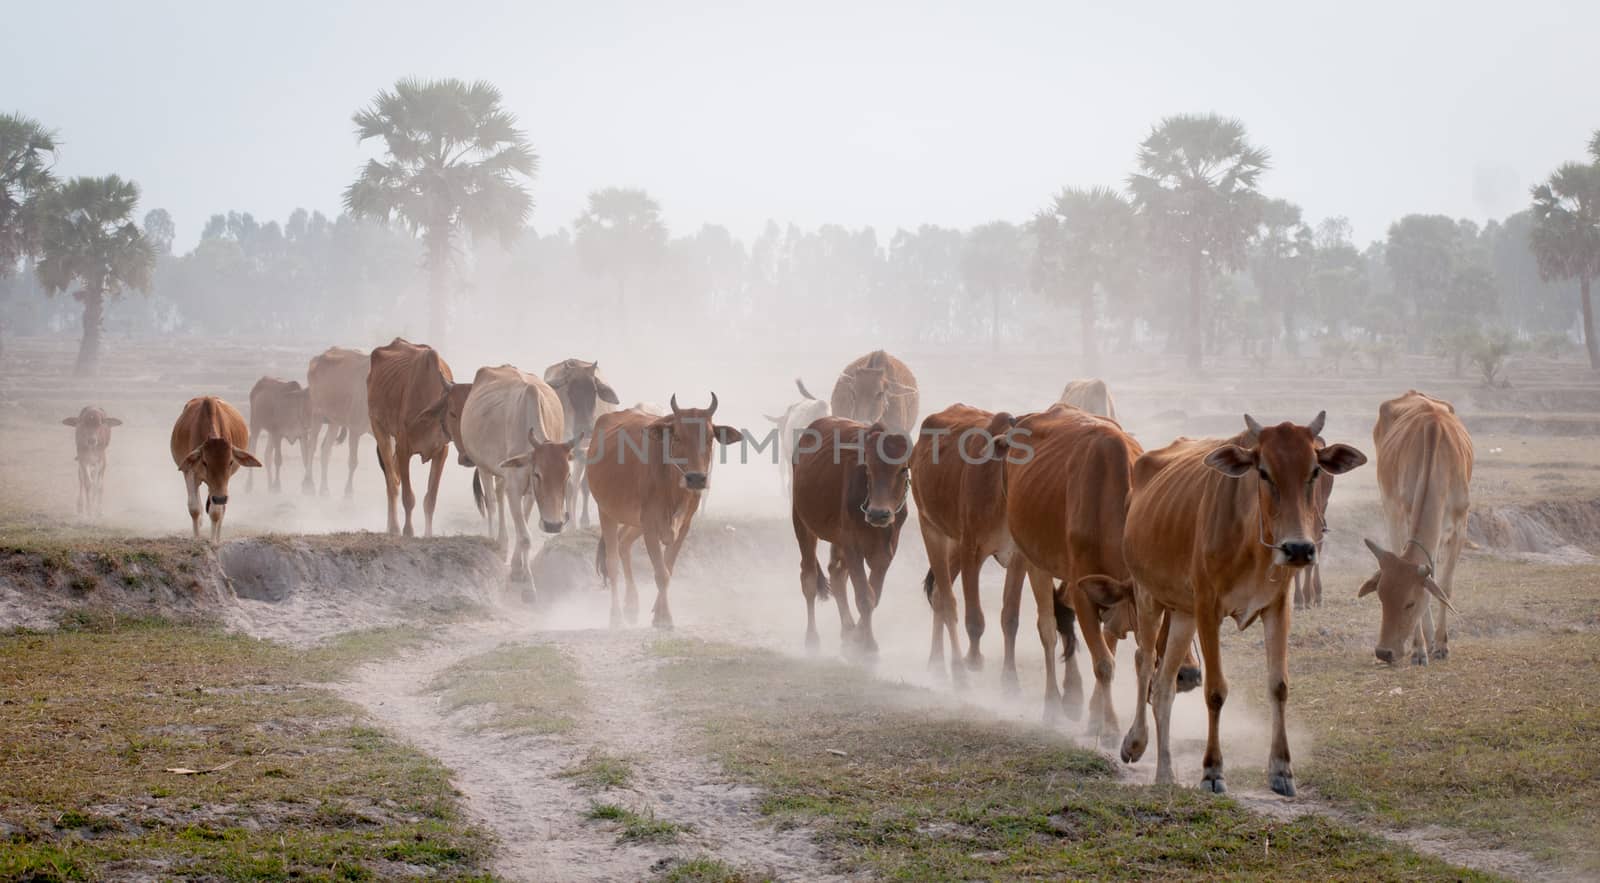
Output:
x,y
527,688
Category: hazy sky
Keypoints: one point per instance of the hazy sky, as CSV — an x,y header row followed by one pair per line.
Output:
x,y
890,114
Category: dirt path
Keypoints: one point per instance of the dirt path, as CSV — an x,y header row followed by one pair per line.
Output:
x,y
513,786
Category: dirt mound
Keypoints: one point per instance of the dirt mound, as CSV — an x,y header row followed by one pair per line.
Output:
x,y
1556,531
45,585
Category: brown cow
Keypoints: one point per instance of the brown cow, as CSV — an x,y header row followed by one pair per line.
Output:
x,y
958,481
647,474
281,409
337,380
1216,529
1308,580
877,388
850,489
584,396
91,437
208,445
408,393
1091,396
1067,479
1424,469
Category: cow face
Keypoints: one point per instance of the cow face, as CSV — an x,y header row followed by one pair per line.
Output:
x,y
869,389
550,465
92,435
580,384
440,423
686,436
1403,588
1288,463
213,463
885,469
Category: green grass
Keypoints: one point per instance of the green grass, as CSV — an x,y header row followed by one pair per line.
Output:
x,y
703,869
637,827
925,794
336,656
600,771
303,786
527,688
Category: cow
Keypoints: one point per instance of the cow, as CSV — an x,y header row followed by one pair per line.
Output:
x,y
1091,396
337,379
958,482
91,436
877,388
1424,469
209,443
647,474
408,403
790,427
584,397
1066,498
509,426
281,409
1217,528
850,490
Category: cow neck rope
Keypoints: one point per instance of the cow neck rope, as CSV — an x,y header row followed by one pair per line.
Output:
x,y
1413,542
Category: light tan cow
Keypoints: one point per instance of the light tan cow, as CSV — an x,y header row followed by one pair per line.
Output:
x,y
1424,470
281,409
337,380
208,446
585,395
877,388
510,428
91,436
1216,529
408,393
1091,396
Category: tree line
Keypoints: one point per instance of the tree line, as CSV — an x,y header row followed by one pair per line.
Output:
x,y
1190,254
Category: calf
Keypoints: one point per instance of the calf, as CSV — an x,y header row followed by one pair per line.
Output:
x,y
208,446
850,492
281,409
91,436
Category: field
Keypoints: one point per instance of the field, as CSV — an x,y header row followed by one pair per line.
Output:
x,y
348,706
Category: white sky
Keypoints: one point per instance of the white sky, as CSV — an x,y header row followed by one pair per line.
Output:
x,y
891,114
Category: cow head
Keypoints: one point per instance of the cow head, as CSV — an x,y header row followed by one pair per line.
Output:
x,y
93,434
551,466
440,422
1287,462
214,462
1403,588
883,475
580,384
686,438
870,390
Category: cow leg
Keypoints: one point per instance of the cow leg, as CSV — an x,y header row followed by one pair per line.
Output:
x,y
1010,617
255,447
83,501
1315,596
1298,579
1208,624
408,497
866,601
1044,598
350,477
610,543
276,479
494,506
308,443
435,474
1148,629
837,584
99,488
583,518
216,512
1163,689
627,536
513,486
1103,724
1275,621
661,613
972,604
811,580
573,481
941,601
192,484
391,475
324,451
1447,579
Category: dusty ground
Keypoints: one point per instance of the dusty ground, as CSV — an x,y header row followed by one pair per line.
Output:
x,y
592,754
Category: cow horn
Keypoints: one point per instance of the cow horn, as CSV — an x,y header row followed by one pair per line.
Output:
x,y
1317,422
1251,424
713,408
674,403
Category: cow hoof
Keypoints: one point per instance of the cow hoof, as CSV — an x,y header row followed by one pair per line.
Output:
x,y
1283,783
1419,658
1132,748
974,662
958,676
1188,678
616,618
664,623
1073,708
1008,682
1441,653
530,597
1052,713
1213,783
936,668
813,644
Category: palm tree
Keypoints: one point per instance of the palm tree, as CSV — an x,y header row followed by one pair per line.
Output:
x,y
619,235
1196,187
26,148
1088,245
993,263
1281,265
1566,233
88,238
455,157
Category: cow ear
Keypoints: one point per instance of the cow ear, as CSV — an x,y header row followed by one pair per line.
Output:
x,y
604,392
1436,591
518,461
70,421
112,421
245,458
726,435
193,458
1232,461
1370,586
1105,591
1339,459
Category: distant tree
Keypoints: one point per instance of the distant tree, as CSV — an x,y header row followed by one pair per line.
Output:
x,y
994,266
1338,284
620,235
1566,233
1196,187
456,162
1489,357
26,151
924,270
1441,274
1281,265
88,238
159,229
1088,249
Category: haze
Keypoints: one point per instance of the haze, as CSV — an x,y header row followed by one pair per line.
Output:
x,y
892,116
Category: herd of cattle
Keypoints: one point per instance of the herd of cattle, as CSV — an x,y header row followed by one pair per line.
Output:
x,y
1163,544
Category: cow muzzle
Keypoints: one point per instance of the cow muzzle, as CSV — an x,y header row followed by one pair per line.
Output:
x,y
880,517
552,526
694,481
1298,553
1384,654
216,500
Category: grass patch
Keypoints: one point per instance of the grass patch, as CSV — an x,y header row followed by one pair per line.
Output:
x,y
302,787
337,655
637,827
600,772
527,688
924,794
703,869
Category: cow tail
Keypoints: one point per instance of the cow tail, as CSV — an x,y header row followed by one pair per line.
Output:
x,y
822,586
1065,617
477,495
927,587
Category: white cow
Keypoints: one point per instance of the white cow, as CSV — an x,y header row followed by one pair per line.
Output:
x,y
793,422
